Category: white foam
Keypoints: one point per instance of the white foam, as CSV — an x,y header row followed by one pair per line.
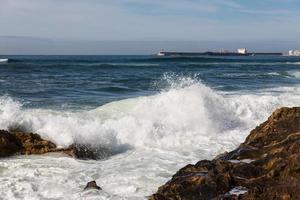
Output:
x,y
295,74
238,191
2,60
241,161
294,63
274,74
185,123
188,116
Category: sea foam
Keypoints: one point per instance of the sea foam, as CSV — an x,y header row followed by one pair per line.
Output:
x,y
295,73
3,60
184,123
186,115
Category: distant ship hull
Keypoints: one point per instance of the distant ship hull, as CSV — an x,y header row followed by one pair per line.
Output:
x,y
208,53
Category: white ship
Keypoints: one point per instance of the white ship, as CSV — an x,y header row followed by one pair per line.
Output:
x,y
294,52
161,53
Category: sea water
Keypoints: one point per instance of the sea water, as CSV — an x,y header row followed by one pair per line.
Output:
x,y
155,114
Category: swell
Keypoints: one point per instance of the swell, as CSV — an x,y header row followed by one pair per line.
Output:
x,y
148,59
79,64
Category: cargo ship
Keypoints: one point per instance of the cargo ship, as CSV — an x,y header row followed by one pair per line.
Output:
x,y
240,52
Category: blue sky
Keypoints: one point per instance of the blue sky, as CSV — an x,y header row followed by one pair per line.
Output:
x,y
179,20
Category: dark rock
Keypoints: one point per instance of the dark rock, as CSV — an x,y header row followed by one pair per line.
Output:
x,y
16,142
86,151
92,185
266,166
9,144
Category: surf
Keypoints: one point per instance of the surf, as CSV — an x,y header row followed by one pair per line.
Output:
x,y
185,115
3,60
153,136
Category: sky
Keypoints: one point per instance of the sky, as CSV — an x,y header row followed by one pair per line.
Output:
x,y
152,20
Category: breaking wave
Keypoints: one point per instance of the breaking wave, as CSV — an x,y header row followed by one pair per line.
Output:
x,y
294,63
186,114
3,60
295,74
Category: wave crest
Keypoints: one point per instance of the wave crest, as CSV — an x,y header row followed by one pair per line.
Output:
x,y
187,115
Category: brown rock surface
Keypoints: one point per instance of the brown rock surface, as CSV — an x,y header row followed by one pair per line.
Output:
x,y
266,166
21,143
33,143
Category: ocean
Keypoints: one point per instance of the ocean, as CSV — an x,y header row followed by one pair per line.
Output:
x,y
156,114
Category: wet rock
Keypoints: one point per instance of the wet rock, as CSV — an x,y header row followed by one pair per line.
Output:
x,y
9,144
33,143
88,152
272,170
92,185
16,142
21,143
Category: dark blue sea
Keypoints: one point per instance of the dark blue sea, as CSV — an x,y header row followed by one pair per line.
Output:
x,y
76,81
155,114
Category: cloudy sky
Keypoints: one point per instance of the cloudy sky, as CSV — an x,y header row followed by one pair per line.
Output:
x,y
152,20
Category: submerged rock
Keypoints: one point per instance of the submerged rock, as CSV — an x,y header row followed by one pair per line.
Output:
x,y
92,185
272,170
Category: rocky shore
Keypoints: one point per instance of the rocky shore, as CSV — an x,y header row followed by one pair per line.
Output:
x,y
266,166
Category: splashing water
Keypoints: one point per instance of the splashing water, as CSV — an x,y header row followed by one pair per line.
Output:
x,y
181,117
155,135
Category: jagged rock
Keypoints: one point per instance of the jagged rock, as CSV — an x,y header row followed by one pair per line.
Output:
x,y
266,166
33,143
16,143
92,185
